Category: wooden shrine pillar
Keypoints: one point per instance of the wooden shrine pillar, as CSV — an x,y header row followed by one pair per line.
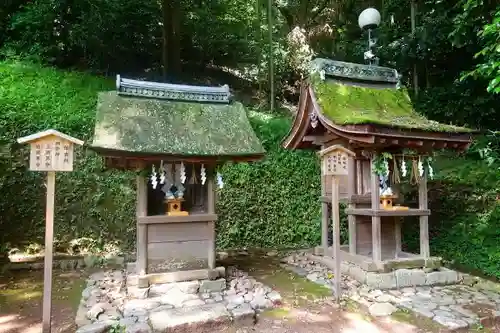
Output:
x,y
351,190
324,215
142,228
376,225
424,220
359,178
211,224
397,234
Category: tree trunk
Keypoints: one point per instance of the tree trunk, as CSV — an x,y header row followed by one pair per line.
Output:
x,y
171,55
165,32
175,37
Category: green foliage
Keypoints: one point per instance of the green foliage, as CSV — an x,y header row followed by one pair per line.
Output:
x,y
465,220
481,19
88,201
442,48
100,34
272,203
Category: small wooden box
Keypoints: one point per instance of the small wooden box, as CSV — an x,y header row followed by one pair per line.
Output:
x,y
174,207
50,150
334,160
387,201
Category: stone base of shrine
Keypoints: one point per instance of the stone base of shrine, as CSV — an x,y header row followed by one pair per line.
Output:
x,y
113,301
410,271
144,281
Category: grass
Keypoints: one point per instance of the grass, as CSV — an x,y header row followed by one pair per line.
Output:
x,y
405,316
294,290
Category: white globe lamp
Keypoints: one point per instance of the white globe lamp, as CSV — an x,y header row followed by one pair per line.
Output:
x,y
369,19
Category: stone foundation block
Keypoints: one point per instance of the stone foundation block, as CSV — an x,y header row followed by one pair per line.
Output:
x,y
381,280
443,276
358,273
210,286
189,319
410,277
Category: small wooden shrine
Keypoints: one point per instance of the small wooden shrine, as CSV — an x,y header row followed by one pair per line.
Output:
x,y
175,137
362,108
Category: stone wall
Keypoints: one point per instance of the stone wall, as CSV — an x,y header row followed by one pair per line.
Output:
x,y
401,278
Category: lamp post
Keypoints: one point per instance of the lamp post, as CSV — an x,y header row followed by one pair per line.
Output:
x,y
369,19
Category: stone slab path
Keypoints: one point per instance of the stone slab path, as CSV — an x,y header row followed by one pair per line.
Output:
x,y
454,307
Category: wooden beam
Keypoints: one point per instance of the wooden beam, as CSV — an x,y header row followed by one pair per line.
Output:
x,y
415,143
176,219
384,212
336,236
48,255
359,178
376,227
397,234
424,220
351,190
142,229
324,214
211,224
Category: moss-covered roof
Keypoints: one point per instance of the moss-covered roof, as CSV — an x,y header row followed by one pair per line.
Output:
x,y
153,126
347,104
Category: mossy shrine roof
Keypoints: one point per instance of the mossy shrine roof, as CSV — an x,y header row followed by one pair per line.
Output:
x,y
156,119
377,100
365,105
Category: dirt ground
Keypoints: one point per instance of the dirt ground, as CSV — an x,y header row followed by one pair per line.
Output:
x,y
21,301
306,308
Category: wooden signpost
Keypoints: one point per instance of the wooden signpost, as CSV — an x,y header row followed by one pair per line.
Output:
x,y
334,163
50,151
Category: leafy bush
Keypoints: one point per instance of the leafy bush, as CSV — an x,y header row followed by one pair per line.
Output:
x,y
272,203
88,201
464,226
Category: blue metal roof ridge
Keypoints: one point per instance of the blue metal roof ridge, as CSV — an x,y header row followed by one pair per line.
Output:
x,y
170,91
349,70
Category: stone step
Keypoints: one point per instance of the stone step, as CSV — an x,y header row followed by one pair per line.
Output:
x,y
199,318
188,287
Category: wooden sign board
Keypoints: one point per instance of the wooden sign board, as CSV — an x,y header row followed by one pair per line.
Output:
x,y
334,160
51,150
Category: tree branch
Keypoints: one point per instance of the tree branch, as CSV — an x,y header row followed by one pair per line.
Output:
x,y
319,11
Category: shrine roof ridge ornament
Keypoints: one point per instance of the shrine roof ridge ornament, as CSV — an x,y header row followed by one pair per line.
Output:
x,y
341,69
180,92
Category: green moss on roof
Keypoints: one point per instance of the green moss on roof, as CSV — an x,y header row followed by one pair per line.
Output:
x,y
146,125
354,105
